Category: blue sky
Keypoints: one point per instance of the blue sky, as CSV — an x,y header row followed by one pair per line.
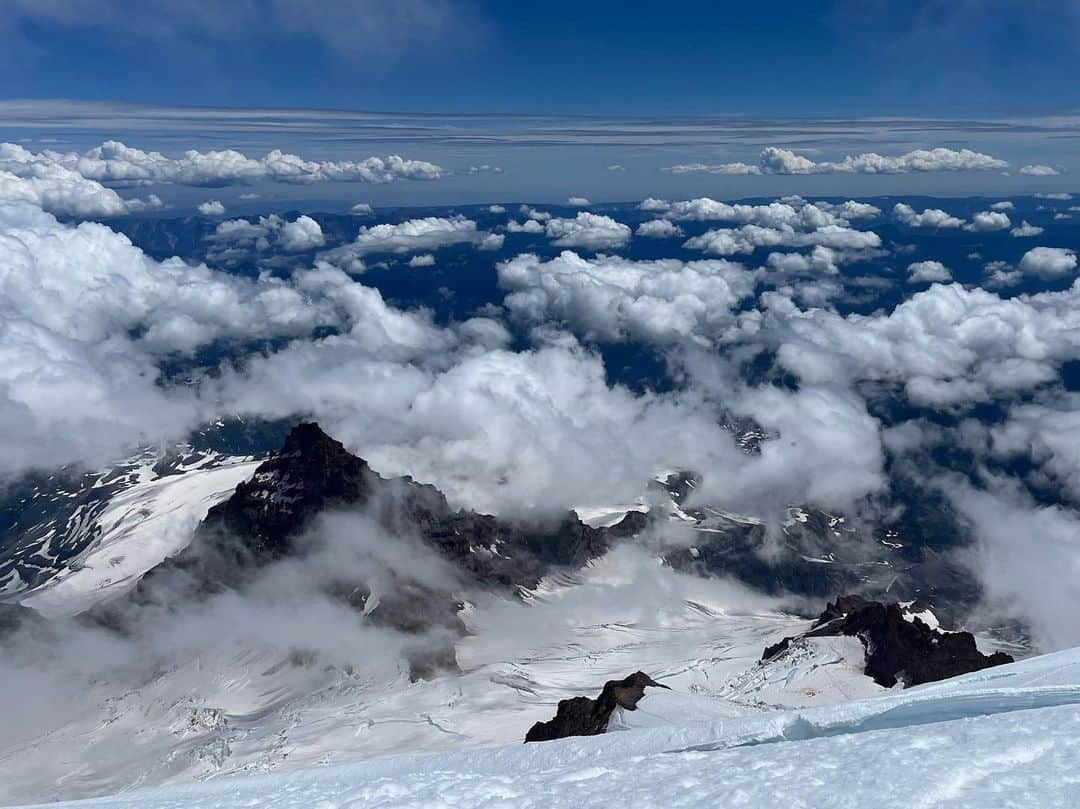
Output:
x,y
995,57
554,94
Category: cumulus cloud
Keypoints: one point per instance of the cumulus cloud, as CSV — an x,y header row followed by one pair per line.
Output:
x,y
783,161
795,223
528,226
115,163
610,298
1039,170
928,272
58,189
654,204
1047,434
236,237
775,160
659,229
987,221
851,209
496,209
362,209
87,319
588,230
1049,263
944,346
1001,274
616,167
423,260
1004,205
794,212
929,218
303,233
1026,229
746,239
412,236
212,207
578,202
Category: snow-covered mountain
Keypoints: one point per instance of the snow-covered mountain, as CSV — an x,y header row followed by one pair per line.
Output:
x,y
292,645
1005,737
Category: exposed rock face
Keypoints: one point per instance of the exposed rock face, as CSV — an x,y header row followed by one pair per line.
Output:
x,y
267,516
582,716
898,649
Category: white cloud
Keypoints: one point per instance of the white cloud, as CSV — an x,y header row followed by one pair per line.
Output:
x,y
1039,170
237,236
532,213
775,160
588,230
616,167
60,190
928,272
746,239
578,202
851,209
1058,195
714,168
85,320
659,229
1048,434
1005,205
654,204
412,236
612,298
114,162
1049,263
1026,558
1025,229
362,209
212,207
1001,274
930,218
945,346
987,221
782,161
423,260
496,209
304,233
795,223
528,226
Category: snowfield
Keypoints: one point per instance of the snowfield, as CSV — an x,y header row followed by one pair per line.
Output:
x,y
1004,737
139,528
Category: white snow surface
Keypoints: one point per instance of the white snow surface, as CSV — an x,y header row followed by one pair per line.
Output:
x,y
226,709
1005,737
140,527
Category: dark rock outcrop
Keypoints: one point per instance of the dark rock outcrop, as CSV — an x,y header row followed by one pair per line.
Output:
x,y
582,716
898,649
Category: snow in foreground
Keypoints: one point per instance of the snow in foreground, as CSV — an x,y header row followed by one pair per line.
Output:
x,y
1008,736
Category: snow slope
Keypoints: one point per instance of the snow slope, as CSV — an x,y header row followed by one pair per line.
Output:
x,y
222,709
137,529
1005,737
